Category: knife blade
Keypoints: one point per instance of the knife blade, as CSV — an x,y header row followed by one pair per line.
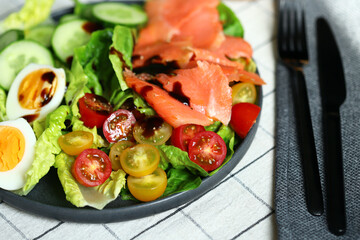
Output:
x,y
333,94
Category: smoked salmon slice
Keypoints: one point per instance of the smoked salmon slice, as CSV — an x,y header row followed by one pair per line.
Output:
x,y
197,21
240,75
206,87
170,109
180,52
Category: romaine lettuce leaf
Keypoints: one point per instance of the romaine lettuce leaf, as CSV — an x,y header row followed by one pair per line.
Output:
x,y
229,138
94,59
142,106
121,52
231,24
119,97
39,127
180,160
32,13
180,180
2,105
46,148
81,196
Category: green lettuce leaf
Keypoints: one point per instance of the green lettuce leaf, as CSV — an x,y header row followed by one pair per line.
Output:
x,y
121,52
32,13
46,148
119,97
142,106
80,196
180,160
180,180
39,127
229,138
2,105
94,59
231,24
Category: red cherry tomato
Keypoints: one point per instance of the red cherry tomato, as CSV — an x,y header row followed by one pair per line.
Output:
x,y
118,126
91,168
182,135
208,150
94,110
243,117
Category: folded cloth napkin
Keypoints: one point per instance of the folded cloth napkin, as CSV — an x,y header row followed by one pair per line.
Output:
x,y
293,219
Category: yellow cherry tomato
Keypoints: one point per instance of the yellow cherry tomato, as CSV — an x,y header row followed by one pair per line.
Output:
x,y
243,92
73,143
140,160
149,187
115,153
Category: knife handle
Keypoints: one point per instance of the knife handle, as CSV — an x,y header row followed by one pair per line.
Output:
x,y
312,184
336,214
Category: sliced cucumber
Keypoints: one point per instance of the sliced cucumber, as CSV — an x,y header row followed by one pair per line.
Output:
x,y
119,13
67,37
41,34
10,36
68,17
18,55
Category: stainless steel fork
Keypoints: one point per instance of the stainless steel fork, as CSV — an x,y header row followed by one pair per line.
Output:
x,y
292,50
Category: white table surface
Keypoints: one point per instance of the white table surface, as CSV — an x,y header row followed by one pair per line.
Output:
x,y
241,206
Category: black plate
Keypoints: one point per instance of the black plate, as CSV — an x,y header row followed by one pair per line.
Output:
x,y
48,198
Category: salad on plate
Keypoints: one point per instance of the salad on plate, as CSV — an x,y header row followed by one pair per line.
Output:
x,y
127,101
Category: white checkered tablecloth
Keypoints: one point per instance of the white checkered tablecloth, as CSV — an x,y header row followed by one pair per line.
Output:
x,y
241,206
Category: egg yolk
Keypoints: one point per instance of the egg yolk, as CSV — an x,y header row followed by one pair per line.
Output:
x,y
12,147
37,88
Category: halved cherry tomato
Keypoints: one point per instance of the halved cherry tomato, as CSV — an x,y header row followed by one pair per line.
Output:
x,y
140,160
182,135
118,125
154,131
149,187
91,168
115,152
73,143
208,150
243,92
94,110
243,117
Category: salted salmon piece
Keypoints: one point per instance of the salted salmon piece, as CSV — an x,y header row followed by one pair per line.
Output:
x,y
235,48
170,109
203,29
180,52
197,21
206,87
240,75
162,52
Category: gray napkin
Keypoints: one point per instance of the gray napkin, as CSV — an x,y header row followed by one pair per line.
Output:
x,y
293,220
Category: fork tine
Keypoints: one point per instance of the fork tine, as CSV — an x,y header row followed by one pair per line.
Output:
x,y
292,30
303,37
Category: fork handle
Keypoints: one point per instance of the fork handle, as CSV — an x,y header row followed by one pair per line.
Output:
x,y
312,185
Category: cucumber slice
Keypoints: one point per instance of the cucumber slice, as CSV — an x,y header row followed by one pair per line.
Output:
x,y
68,17
119,13
67,36
10,36
41,34
18,55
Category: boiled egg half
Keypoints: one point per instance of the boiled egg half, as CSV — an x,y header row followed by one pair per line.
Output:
x,y
17,148
36,91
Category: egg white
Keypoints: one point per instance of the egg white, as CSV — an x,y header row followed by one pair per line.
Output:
x,y
16,178
13,108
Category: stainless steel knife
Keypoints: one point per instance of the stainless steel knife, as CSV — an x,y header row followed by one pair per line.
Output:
x,y
333,94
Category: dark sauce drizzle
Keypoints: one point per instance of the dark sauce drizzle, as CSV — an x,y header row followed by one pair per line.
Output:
x,y
150,125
